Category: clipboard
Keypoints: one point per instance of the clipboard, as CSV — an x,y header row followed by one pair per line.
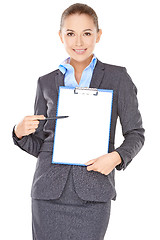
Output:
x,y
84,135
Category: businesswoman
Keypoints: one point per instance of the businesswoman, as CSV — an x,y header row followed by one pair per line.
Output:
x,y
69,201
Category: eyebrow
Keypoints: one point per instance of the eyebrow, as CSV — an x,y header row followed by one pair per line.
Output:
x,y
70,30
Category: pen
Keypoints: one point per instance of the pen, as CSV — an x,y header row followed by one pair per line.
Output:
x,y
53,118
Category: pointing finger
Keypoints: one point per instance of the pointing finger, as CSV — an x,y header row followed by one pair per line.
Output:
x,y
38,117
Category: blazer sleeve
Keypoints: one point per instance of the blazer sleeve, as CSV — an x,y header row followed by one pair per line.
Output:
x,y
130,119
33,142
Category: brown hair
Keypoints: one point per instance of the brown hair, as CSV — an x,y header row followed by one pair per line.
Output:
x,y
80,9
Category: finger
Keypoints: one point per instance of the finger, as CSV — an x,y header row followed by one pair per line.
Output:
x,y
90,162
39,117
33,123
29,131
91,168
36,117
30,126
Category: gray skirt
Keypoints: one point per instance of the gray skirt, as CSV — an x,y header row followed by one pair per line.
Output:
x,y
69,217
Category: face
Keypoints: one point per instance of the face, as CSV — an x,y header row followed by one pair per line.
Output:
x,y
79,36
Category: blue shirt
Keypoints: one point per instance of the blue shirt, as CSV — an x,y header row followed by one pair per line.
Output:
x,y
68,70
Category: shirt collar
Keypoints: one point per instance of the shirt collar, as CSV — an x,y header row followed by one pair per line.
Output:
x,y
65,65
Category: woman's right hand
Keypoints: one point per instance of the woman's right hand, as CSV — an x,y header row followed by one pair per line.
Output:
x,y
28,125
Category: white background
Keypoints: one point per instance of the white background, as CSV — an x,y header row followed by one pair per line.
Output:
x,y
29,48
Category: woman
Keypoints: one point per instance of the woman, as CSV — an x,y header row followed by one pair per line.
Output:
x,y
68,201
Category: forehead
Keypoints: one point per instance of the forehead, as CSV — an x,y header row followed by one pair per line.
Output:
x,y
79,22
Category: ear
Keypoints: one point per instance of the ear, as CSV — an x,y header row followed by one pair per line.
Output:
x,y
60,35
99,35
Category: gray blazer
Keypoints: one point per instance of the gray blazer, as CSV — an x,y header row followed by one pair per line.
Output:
x,y
49,179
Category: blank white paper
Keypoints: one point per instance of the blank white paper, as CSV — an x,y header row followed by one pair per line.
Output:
x,y
84,135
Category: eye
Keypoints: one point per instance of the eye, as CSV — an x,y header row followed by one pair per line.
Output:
x,y
87,34
70,34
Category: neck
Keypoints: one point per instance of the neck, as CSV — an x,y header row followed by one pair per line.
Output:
x,y
80,66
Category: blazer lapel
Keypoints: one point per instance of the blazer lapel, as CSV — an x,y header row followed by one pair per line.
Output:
x,y
97,76
59,78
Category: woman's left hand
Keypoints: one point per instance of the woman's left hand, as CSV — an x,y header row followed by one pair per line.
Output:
x,y
105,163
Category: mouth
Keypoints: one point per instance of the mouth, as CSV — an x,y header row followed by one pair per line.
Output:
x,y
80,51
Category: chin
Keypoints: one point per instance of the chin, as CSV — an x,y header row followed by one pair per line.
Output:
x,y
81,58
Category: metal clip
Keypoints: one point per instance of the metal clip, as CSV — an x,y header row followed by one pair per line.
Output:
x,y
86,90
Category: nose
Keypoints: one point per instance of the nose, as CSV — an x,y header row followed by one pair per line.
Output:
x,y
79,41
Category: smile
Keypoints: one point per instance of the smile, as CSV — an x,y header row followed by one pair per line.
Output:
x,y
79,51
